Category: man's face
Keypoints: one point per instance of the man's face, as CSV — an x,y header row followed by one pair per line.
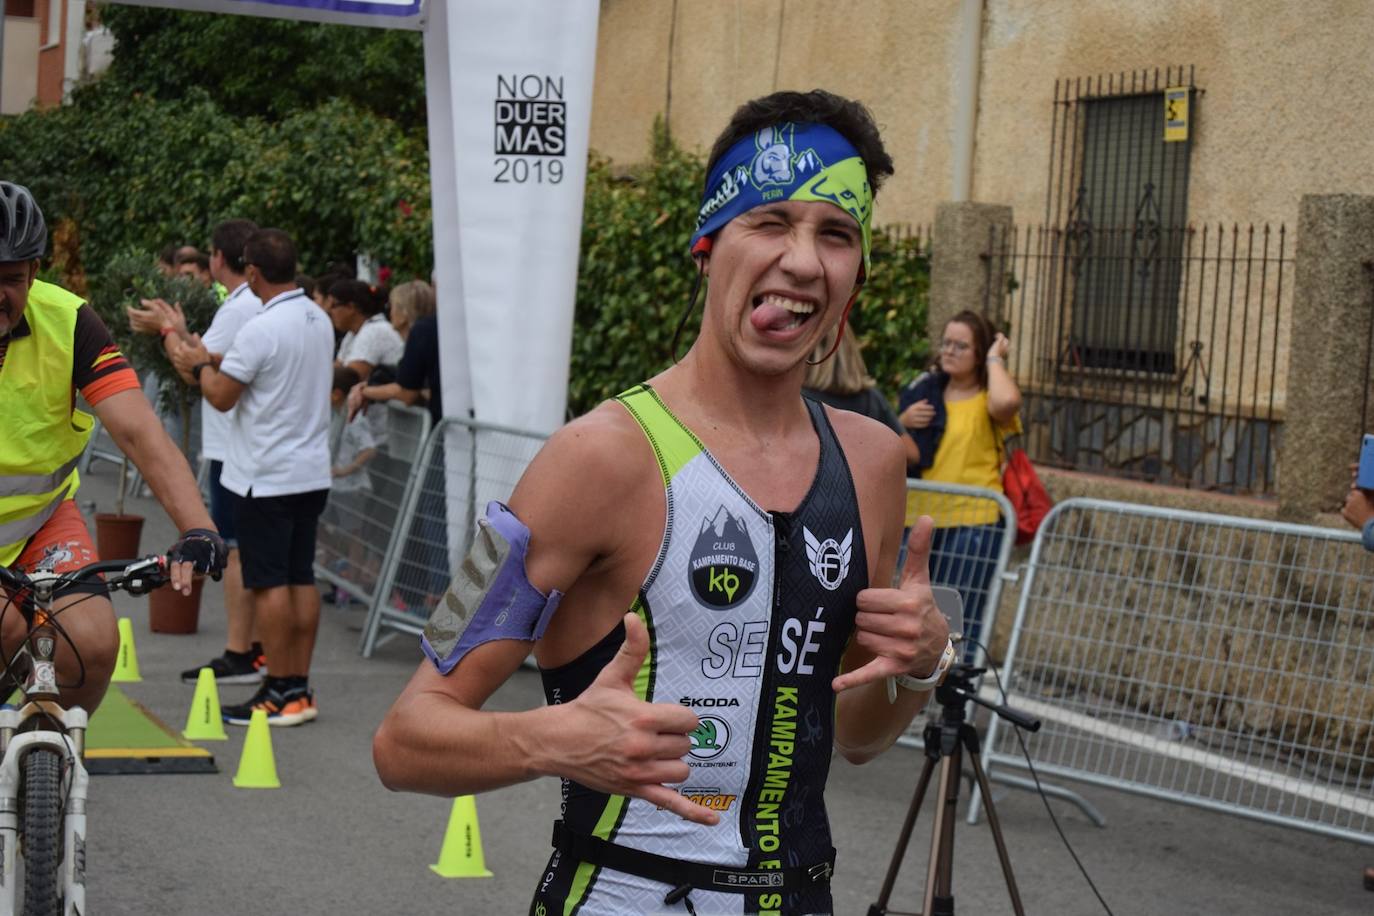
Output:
x,y
216,264
15,279
344,315
192,269
780,276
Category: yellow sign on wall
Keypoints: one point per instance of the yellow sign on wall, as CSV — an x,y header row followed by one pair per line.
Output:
x,y
1175,114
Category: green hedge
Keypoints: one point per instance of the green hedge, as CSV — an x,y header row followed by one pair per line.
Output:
x,y
116,172
266,68
635,278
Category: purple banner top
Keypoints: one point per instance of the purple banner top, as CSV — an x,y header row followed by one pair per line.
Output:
x,y
361,7
385,14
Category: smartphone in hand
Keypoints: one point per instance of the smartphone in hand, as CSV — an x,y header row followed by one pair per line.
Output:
x,y
951,604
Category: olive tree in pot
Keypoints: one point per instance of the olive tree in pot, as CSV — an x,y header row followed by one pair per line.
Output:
x,y
129,279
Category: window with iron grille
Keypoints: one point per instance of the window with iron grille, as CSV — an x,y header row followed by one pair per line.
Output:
x,y
1121,190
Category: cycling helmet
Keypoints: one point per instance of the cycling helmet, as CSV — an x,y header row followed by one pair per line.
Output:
x,y
23,234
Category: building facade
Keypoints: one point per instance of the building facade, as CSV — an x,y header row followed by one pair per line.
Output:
x,y
48,46
1147,161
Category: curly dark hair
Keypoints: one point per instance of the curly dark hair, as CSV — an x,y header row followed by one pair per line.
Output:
x,y
852,119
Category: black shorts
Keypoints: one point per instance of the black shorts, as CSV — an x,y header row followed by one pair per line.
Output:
x,y
222,503
277,538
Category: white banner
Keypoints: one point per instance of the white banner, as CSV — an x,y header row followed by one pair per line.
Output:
x,y
521,90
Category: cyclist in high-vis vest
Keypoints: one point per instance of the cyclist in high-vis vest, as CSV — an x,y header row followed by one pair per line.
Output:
x,y
53,345
750,533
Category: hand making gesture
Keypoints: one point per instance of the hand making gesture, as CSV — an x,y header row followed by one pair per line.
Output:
x,y
626,746
901,627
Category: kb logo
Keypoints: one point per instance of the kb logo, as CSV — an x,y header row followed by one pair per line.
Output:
x,y
722,580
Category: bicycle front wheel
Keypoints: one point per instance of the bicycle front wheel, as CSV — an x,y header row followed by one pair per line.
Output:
x,y
42,839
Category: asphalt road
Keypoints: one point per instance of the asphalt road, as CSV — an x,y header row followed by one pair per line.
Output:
x,y
332,840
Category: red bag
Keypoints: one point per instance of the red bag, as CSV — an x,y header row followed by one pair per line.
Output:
x,y
1026,494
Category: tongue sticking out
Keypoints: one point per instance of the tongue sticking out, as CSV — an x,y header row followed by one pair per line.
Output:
x,y
768,317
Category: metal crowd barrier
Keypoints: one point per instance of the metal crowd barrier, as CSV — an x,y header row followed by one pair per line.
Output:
x,y
1219,662
361,519
463,465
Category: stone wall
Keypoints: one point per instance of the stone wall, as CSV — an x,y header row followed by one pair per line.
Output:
x,y
1224,453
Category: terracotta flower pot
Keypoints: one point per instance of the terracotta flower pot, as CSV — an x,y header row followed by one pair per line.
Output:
x,y
170,611
117,536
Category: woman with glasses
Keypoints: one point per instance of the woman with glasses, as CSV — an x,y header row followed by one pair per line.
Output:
x,y
958,413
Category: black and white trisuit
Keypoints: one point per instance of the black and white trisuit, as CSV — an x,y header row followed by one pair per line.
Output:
x,y
748,613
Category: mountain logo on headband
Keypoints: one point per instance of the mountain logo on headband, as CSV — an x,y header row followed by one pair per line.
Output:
x,y
776,162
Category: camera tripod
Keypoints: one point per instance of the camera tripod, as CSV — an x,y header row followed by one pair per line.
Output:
x,y
946,741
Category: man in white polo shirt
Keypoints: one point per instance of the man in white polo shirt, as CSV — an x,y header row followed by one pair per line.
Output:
x,y
242,660
277,375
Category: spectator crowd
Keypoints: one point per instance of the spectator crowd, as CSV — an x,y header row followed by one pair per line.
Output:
x,y
301,475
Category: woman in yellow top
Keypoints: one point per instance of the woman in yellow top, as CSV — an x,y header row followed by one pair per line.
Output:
x,y
970,389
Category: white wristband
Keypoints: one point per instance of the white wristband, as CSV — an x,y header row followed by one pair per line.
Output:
x,y
995,359
922,684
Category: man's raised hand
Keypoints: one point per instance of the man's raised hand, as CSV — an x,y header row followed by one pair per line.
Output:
x,y
623,745
901,627
155,315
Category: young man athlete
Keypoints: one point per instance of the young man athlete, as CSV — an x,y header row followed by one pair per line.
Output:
x,y
749,532
53,345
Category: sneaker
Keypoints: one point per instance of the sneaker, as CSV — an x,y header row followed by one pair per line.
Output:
x,y
228,670
294,708
259,659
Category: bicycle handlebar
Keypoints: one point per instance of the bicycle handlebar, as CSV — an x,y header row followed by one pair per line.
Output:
x,y
137,577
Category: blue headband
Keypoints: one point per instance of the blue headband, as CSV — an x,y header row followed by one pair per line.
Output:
x,y
787,162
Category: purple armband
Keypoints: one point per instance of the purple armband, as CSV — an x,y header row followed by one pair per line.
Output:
x,y
490,597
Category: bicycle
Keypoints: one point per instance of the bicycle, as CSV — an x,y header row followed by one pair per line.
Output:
x,y
43,782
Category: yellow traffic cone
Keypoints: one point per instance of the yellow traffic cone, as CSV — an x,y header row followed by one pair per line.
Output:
x,y
203,722
257,766
126,663
461,854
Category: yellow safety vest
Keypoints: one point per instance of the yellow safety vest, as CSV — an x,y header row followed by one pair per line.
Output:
x,y
41,435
